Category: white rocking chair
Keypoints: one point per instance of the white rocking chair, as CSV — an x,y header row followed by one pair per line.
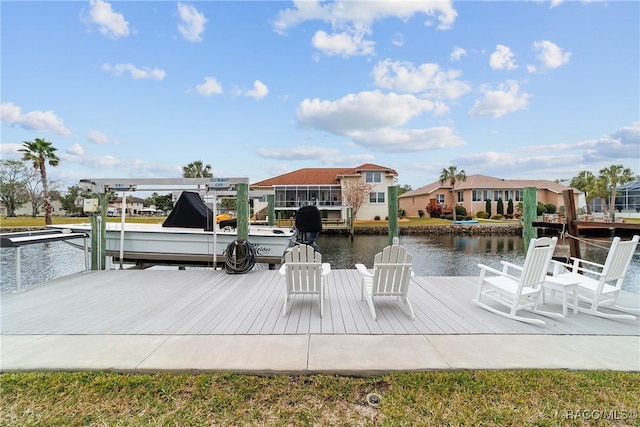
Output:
x,y
304,274
391,276
600,284
522,289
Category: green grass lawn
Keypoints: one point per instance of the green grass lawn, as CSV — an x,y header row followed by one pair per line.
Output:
x,y
490,398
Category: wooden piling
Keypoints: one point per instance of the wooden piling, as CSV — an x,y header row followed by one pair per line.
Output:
x,y
393,212
571,218
529,215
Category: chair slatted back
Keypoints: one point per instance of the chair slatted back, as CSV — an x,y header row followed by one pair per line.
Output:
x,y
392,271
536,263
303,270
618,260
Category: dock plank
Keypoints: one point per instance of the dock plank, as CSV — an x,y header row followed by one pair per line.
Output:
x,y
207,301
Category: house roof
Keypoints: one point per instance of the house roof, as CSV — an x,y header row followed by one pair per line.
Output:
x,y
478,182
320,176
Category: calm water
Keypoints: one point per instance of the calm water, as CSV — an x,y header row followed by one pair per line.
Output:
x,y
433,256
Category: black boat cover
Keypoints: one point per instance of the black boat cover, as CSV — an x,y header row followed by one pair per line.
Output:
x,y
189,212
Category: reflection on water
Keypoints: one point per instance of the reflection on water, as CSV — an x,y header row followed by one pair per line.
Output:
x,y
433,256
449,255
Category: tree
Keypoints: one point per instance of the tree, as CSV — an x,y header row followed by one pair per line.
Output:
x,y
162,202
452,175
487,207
68,201
586,182
355,193
197,169
615,174
403,189
510,208
13,176
500,207
41,152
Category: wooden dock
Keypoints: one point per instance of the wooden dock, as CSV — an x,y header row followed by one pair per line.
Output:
x,y
208,302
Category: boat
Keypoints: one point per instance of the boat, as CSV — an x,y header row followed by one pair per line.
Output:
x,y
188,236
465,221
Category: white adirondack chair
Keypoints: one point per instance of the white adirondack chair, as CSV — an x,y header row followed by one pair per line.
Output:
x,y
520,289
391,276
304,274
599,284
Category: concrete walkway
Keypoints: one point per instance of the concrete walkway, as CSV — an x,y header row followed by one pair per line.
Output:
x,y
357,355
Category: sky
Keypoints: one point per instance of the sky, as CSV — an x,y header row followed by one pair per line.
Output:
x,y
139,89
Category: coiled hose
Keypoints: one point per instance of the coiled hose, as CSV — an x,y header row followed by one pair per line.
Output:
x,y
240,257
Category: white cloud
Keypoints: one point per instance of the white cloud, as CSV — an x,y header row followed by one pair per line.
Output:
x,y
457,53
11,149
135,72
550,54
361,112
347,160
429,80
75,150
343,13
407,140
506,98
398,40
343,44
110,23
99,138
350,21
259,91
298,153
41,121
192,23
209,87
502,58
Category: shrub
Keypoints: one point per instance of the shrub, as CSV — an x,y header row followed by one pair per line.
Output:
x,y
461,211
496,216
510,207
487,207
400,213
500,207
482,215
541,208
434,211
420,213
551,208
376,218
448,216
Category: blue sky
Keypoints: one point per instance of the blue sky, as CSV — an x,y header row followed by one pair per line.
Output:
x,y
511,89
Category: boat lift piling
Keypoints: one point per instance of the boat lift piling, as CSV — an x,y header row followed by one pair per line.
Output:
x,y
90,188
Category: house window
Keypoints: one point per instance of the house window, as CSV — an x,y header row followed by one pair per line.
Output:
x,y
373,177
440,199
508,195
476,196
376,197
497,194
486,195
460,196
519,195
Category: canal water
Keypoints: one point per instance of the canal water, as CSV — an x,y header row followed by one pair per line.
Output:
x,y
445,255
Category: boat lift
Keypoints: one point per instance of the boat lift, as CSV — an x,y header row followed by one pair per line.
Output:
x,y
238,187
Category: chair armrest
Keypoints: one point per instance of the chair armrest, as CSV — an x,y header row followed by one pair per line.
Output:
x,y
326,268
506,265
362,269
484,268
584,261
573,268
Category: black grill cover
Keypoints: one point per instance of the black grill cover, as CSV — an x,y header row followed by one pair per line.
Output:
x,y
189,212
308,219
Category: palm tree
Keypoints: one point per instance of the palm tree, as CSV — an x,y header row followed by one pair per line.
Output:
x,y
585,181
41,152
616,174
452,175
197,169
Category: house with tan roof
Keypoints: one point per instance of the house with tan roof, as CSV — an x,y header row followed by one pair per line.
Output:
x,y
325,188
477,189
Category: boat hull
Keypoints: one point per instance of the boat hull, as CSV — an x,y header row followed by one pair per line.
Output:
x,y
154,244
